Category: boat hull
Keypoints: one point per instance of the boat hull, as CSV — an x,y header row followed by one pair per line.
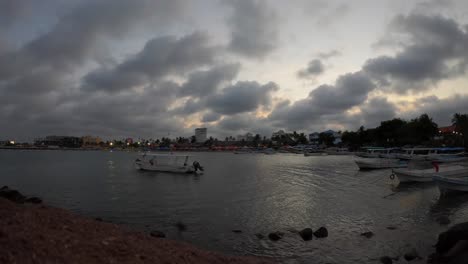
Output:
x,y
447,184
379,163
164,168
426,175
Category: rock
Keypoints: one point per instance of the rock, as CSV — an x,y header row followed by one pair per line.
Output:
x,y
275,236
237,231
156,233
450,238
259,236
386,260
12,195
391,227
413,254
181,226
321,232
368,234
443,220
34,200
306,234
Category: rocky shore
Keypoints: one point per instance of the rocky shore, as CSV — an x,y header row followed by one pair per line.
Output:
x,y
31,232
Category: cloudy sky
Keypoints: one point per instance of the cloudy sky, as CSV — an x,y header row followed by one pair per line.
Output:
x,y
152,68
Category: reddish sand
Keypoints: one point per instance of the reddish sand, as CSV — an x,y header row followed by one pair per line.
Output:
x,y
41,234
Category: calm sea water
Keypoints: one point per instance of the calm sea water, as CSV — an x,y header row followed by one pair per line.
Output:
x,y
254,193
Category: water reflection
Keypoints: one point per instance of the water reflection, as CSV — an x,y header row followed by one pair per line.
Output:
x,y
449,204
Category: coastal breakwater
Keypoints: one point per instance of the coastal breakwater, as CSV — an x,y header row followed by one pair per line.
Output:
x,y
31,232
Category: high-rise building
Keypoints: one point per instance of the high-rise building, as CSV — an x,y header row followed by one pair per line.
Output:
x,y
200,134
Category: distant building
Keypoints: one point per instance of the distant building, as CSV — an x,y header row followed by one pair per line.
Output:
x,y
314,138
90,141
200,134
59,141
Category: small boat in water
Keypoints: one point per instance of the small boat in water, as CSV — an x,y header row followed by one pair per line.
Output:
x,y
167,163
426,175
377,152
449,184
379,163
314,153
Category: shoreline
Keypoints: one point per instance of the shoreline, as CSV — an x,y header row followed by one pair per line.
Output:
x,y
31,232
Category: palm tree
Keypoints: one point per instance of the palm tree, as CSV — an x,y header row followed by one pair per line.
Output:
x,y
461,123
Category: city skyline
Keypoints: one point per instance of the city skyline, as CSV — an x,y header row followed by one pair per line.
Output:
x,y
152,68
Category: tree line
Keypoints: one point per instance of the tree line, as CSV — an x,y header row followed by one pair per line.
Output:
x,y
399,132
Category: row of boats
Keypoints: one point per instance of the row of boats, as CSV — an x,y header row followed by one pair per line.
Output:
x,y
448,167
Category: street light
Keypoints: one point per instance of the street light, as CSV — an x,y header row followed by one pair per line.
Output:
x,y
111,144
12,142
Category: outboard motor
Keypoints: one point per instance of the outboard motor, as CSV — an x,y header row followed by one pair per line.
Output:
x,y
197,166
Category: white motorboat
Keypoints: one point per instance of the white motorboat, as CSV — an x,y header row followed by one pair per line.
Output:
x,y
426,175
448,184
377,152
315,153
379,163
433,154
338,151
167,163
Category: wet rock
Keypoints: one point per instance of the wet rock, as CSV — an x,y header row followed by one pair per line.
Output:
x,y
386,260
443,220
156,233
259,236
34,200
321,232
368,234
237,231
12,195
413,254
391,227
275,236
448,239
306,234
181,226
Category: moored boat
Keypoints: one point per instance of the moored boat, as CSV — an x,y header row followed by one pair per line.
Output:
x,y
379,163
426,175
315,153
376,152
449,184
167,163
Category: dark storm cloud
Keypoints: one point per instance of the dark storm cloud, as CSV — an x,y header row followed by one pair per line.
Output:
x,y
241,97
254,28
75,35
350,90
440,109
374,111
314,68
160,56
435,48
205,82
210,117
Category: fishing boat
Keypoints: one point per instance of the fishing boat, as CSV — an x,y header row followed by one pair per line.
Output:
x,y
433,154
167,163
379,163
449,184
338,151
376,152
314,153
426,175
